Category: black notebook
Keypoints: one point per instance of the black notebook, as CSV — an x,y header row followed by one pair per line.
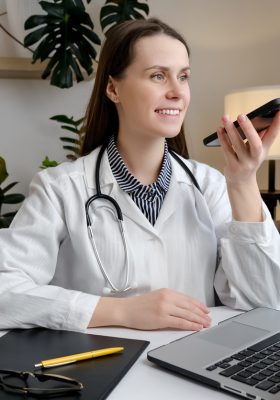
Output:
x,y
22,349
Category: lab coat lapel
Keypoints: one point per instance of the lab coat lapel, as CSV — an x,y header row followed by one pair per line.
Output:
x,y
130,209
173,197
169,204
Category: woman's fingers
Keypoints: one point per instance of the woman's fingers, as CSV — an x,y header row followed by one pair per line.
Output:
x,y
256,143
191,315
186,301
191,310
183,306
226,144
165,308
252,146
183,324
271,133
243,157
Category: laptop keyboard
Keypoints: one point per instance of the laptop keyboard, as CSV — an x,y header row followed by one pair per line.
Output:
x,y
257,365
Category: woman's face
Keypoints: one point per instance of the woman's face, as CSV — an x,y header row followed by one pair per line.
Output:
x,y
153,95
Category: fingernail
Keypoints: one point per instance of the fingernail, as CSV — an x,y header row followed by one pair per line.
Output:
x,y
242,117
226,118
224,121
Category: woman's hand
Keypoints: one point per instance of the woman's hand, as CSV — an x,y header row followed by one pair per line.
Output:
x,y
159,309
242,160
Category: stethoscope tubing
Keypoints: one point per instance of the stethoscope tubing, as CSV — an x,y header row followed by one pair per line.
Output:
x,y
119,215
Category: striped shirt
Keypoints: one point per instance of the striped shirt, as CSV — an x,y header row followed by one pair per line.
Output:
x,y
148,198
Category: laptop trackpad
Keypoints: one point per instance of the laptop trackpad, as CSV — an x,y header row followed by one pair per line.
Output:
x,y
233,335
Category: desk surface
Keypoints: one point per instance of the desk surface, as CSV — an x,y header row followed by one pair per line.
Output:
x,y
148,381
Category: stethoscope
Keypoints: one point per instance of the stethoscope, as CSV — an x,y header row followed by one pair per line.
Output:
x,y
112,288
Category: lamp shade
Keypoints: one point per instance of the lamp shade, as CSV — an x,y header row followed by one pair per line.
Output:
x,y
245,100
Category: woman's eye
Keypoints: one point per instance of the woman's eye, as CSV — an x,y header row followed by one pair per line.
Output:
x,y
183,78
158,77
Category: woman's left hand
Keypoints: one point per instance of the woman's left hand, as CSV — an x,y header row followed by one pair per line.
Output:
x,y
242,160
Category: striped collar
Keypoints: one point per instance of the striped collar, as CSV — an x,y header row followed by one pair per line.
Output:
x,y
128,182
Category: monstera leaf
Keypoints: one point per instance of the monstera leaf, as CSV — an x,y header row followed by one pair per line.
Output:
x,y
65,35
117,11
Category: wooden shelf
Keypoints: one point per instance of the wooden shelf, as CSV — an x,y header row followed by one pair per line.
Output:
x,y
21,68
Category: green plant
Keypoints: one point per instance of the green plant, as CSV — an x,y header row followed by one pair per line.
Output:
x,y
47,163
72,144
66,36
15,198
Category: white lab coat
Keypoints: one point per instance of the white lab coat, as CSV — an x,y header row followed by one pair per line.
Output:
x,y
49,275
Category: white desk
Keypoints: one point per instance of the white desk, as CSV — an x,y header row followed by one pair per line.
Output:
x,y
146,381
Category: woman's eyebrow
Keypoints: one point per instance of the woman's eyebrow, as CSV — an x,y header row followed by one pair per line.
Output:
x,y
164,68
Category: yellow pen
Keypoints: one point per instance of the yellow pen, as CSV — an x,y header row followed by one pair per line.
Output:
x,y
55,362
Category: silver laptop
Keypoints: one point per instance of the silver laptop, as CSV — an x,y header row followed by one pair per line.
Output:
x,y
240,355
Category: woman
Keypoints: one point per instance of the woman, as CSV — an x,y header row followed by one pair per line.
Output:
x,y
181,241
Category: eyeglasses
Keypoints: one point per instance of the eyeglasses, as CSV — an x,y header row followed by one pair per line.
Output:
x,y
41,384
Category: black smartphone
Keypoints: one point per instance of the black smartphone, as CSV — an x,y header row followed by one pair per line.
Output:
x,y
261,118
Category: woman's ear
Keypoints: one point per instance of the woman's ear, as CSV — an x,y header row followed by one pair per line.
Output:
x,y
111,90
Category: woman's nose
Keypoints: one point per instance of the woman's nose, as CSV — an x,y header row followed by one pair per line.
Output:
x,y
175,90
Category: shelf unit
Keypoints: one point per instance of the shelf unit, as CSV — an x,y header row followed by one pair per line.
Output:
x,y
21,68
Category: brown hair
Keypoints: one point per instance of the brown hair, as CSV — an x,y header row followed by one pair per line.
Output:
x,y
101,120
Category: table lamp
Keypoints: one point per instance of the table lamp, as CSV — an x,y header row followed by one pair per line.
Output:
x,y
242,102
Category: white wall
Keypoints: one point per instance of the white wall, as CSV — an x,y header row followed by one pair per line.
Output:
x,y
234,44
27,135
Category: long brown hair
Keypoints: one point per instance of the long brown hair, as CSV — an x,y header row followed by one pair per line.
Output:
x,y
117,53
